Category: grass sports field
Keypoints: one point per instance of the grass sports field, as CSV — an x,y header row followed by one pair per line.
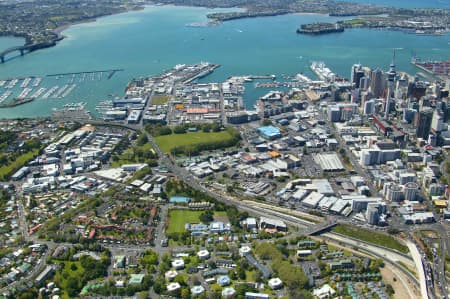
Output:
x,y
168,142
180,217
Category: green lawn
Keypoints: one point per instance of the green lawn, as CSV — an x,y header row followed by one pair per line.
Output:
x,y
129,156
178,218
71,274
159,99
168,142
9,169
370,237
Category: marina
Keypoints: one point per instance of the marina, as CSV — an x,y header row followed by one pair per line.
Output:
x,y
60,91
50,92
91,74
37,81
4,96
12,83
25,82
140,58
68,90
24,93
39,92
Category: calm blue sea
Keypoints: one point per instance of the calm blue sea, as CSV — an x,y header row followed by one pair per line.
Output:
x,y
147,42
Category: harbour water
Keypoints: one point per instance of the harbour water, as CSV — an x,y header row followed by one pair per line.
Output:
x,y
144,43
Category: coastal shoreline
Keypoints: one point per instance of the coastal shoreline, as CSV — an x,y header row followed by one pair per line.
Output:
x,y
58,31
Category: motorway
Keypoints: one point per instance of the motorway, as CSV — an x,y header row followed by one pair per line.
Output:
x,y
385,253
420,268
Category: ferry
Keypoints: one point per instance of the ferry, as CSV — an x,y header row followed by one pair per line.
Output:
x,y
38,93
2,83
36,82
50,91
322,71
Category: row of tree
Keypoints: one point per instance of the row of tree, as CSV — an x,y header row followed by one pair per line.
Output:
x,y
159,130
195,149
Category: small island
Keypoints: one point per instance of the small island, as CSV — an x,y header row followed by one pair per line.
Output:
x,y
320,28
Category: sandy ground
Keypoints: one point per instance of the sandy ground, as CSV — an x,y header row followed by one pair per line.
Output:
x,y
403,287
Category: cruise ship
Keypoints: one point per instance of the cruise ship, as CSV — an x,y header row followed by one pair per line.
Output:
x,y
322,71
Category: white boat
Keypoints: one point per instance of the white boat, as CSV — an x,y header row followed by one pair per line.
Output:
x,y
60,91
38,93
68,90
36,82
4,96
50,91
12,83
24,93
25,82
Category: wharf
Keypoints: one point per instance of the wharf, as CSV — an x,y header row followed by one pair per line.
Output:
x,y
253,77
112,72
281,84
16,102
202,73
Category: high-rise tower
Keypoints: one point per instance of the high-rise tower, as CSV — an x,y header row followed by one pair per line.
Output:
x,y
391,74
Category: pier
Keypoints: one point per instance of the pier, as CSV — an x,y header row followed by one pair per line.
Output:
x,y
111,73
276,84
254,77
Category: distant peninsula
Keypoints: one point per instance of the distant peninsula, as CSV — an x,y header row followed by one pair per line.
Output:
x,y
41,22
320,28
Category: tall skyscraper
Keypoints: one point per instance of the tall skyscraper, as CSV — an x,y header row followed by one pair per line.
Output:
x,y
424,123
391,74
377,83
353,76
